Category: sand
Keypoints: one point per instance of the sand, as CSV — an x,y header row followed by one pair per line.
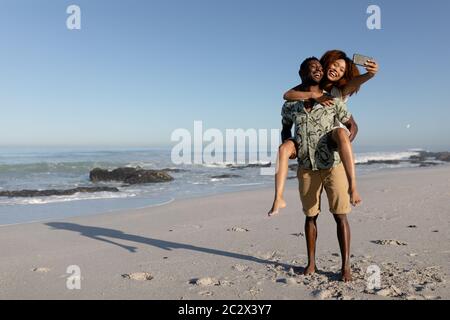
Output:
x,y
225,247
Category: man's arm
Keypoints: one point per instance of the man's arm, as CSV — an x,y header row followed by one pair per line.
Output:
x,y
298,93
346,118
352,126
287,120
286,133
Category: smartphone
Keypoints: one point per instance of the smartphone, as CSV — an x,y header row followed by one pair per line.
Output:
x,y
360,60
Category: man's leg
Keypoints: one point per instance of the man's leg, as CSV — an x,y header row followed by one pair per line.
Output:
x,y
311,238
343,233
336,186
287,150
310,187
340,136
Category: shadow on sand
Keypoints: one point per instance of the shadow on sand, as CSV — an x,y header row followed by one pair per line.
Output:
x,y
101,234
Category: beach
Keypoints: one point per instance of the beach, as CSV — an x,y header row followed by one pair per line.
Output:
x,y
225,247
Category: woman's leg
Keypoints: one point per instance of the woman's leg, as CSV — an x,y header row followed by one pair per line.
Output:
x,y
340,136
287,150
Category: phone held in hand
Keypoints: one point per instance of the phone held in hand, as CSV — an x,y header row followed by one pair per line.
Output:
x,y
360,60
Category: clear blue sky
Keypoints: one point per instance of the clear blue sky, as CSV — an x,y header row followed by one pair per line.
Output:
x,y
138,69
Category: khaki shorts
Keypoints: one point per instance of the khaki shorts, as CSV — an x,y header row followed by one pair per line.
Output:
x,y
312,183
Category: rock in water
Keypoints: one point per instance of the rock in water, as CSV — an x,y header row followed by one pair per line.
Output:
x,y
130,175
423,156
225,176
176,170
54,192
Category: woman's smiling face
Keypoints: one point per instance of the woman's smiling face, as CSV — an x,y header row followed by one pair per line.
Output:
x,y
336,70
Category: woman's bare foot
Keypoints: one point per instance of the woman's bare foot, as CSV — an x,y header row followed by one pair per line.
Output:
x,y
346,274
310,269
277,205
355,198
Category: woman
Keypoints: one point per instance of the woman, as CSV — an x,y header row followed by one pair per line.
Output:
x,y
342,79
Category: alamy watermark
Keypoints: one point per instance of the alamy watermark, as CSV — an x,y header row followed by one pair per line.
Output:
x,y
235,147
73,281
73,21
374,277
374,20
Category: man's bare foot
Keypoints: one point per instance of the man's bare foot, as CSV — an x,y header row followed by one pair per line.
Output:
x,y
277,205
346,274
310,269
355,198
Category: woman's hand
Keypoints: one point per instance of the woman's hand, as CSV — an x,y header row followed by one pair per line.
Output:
x,y
371,67
323,99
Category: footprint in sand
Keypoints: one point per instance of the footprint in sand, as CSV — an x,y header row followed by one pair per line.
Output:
x,y
241,268
390,242
226,283
334,254
138,276
430,297
187,226
391,291
253,292
300,234
401,281
204,282
267,255
323,294
288,281
414,297
238,229
41,270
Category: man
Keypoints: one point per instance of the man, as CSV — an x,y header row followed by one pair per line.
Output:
x,y
320,167
311,74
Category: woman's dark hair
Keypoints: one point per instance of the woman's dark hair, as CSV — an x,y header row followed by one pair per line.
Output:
x,y
351,70
304,67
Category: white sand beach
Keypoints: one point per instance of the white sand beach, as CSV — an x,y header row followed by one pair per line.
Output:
x,y
225,247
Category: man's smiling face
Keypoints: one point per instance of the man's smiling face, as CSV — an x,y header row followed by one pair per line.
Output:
x,y
315,71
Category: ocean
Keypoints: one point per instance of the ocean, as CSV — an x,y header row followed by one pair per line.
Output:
x,y
58,168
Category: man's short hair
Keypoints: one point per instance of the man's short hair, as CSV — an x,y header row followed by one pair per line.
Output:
x,y
304,67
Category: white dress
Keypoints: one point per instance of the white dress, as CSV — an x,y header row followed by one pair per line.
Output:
x,y
336,93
